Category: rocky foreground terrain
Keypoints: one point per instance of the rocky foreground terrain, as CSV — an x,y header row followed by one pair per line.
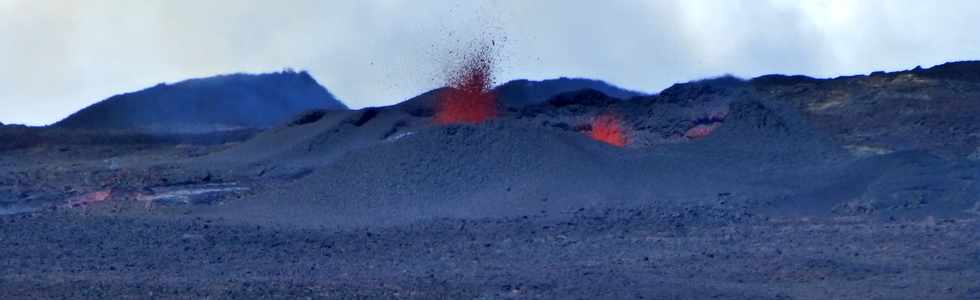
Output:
x,y
778,187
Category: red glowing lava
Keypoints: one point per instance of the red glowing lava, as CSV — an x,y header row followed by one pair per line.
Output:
x,y
608,129
469,98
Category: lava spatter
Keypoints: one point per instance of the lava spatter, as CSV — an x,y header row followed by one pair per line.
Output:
x,y
469,97
608,129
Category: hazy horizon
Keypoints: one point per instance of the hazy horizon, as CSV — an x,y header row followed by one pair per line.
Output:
x,y
63,56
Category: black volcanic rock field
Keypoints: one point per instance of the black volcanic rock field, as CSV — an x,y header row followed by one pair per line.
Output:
x,y
265,186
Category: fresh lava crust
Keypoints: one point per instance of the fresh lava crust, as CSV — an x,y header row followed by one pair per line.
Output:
x,y
608,129
88,199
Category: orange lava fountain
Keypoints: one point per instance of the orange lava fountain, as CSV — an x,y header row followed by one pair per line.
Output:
x,y
469,98
608,129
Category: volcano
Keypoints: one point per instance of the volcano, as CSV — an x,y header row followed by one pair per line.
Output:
x,y
773,187
208,104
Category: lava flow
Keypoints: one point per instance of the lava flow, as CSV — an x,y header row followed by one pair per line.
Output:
x,y
702,130
608,129
469,98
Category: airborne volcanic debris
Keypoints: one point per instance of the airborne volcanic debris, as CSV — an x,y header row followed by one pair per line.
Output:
x,y
469,98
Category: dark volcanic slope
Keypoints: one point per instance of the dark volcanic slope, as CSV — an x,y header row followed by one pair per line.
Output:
x,y
937,109
389,167
763,142
214,103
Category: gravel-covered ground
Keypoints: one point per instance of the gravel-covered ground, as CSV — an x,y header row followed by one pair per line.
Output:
x,y
649,252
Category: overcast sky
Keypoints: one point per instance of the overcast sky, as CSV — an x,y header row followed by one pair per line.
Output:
x,y
59,56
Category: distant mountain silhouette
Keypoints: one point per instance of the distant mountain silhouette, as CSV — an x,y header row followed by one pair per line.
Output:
x,y
517,93
522,92
208,104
